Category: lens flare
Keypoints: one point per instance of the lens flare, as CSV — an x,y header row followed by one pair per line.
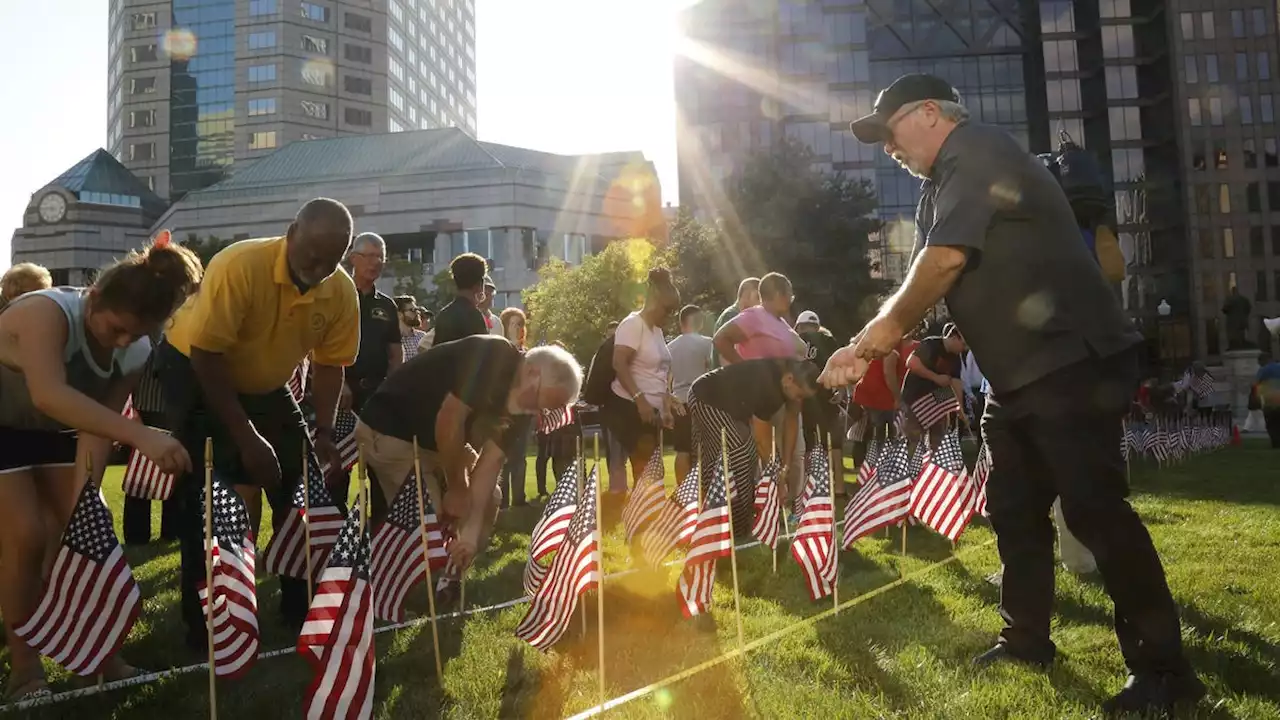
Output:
x,y
179,44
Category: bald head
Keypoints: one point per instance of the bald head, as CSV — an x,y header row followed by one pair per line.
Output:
x,y
318,239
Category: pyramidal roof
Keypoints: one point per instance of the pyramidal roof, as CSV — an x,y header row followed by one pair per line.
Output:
x,y
100,172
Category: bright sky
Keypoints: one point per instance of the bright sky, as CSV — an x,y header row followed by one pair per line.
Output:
x,y
565,76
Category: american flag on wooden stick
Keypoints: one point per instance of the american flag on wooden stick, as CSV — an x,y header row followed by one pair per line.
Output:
x,y
647,496
933,407
286,554
815,538
144,479
575,570
885,500
550,531
815,463
397,551
298,380
867,468
982,471
551,420
344,436
337,636
92,600
235,591
768,506
711,540
944,498
675,524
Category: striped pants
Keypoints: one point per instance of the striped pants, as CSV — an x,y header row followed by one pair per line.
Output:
x,y
708,421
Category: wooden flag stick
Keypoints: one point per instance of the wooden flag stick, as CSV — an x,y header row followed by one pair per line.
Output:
x,y
582,469
773,452
88,478
733,554
835,541
306,513
426,560
208,573
600,569
360,491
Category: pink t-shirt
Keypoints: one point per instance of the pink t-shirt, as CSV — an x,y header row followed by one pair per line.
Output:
x,y
768,336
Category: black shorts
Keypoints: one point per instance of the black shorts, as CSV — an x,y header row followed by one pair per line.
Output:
x,y
620,417
821,418
682,434
26,449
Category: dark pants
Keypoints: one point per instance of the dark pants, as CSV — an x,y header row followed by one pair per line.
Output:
x,y
1060,436
513,472
136,518
277,418
1272,419
558,447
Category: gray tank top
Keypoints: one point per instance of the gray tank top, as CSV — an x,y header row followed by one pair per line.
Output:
x,y
83,373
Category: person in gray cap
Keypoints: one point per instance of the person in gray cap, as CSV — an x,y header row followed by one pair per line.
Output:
x,y
996,237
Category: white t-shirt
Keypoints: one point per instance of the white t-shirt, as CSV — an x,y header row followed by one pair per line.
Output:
x,y
652,361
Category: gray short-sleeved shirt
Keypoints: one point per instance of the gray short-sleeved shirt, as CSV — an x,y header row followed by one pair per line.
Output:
x,y
690,360
1032,298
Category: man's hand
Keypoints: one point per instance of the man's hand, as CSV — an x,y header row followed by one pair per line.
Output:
x,y
462,552
649,414
844,367
260,461
456,504
879,338
329,455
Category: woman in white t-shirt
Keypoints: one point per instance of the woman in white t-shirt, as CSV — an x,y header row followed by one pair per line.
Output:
x,y
641,401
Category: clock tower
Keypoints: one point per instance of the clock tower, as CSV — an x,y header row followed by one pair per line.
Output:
x,y
91,214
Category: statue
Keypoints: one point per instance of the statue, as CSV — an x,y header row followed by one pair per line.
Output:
x,y
1237,309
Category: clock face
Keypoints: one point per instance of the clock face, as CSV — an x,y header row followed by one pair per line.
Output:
x,y
52,207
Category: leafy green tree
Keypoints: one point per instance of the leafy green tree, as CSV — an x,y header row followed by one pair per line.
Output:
x,y
407,277
574,304
700,266
205,248
443,292
790,216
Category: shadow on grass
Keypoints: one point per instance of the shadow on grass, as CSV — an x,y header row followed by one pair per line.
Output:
x,y
1232,475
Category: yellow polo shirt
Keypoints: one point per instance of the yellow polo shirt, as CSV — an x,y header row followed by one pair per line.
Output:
x,y
249,310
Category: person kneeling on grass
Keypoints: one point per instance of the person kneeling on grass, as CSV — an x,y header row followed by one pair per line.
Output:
x,y
476,392
69,358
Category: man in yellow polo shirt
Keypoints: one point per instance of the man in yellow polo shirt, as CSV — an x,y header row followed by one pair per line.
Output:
x,y
263,306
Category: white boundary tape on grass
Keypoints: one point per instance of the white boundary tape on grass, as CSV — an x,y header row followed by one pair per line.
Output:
x,y
204,666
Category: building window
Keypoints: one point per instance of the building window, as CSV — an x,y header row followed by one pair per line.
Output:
x,y
1275,243
1193,107
1188,22
1215,111
142,85
142,53
1228,243
1224,199
1257,242
1237,23
1242,66
395,99
1063,95
262,140
397,12
1264,65
1197,158
1126,123
394,126
1250,154
1060,55
1106,9
317,110
317,13
1189,69
357,53
356,116
1266,108
1211,340
313,44
1259,18
395,39
1231,283
317,74
1206,25
142,118
1246,110
262,7
357,85
1260,289
142,20
262,73
1117,41
262,40
1273,195
396,69
1253,197
262,106
1206,244
1211,68
142,151
357,22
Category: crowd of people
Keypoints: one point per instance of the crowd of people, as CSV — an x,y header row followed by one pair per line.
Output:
x,y
462,391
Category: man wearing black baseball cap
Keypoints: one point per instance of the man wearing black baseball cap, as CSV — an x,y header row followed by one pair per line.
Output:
x,y
996,237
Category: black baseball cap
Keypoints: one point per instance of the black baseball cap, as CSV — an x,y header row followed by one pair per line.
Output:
x,y
873,128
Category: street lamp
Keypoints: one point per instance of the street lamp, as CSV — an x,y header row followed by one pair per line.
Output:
x,y
1166,341
1163,308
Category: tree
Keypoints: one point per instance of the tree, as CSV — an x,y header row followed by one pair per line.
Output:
x,y
205,248
574,304
812,225
408,279
443,293
699,265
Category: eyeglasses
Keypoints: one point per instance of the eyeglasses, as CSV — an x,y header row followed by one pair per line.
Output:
x,y
901,115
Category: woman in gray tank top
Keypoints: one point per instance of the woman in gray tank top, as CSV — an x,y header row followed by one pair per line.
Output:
x,y
69,359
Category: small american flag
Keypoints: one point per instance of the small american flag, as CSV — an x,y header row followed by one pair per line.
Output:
x,y
129,411
397,551
982,471
815,537
885,500
344,436
298,381
675,524
92,600
235,592
143,479
934,407
550,531
647,497
337,637
286,554
551,420
815,463
1202,385
945,498
867,470
711,539
768,506
575,570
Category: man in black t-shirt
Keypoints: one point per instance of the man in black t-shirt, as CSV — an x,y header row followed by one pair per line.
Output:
x,y
462,317
380,348
462,401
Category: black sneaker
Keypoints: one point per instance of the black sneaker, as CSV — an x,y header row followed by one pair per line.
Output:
x,y
1155,695
1002,653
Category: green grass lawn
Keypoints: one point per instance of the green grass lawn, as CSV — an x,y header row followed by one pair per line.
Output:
x,y
903,653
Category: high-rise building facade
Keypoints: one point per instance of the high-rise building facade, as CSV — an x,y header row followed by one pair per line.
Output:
x,y
196,85
1175,99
